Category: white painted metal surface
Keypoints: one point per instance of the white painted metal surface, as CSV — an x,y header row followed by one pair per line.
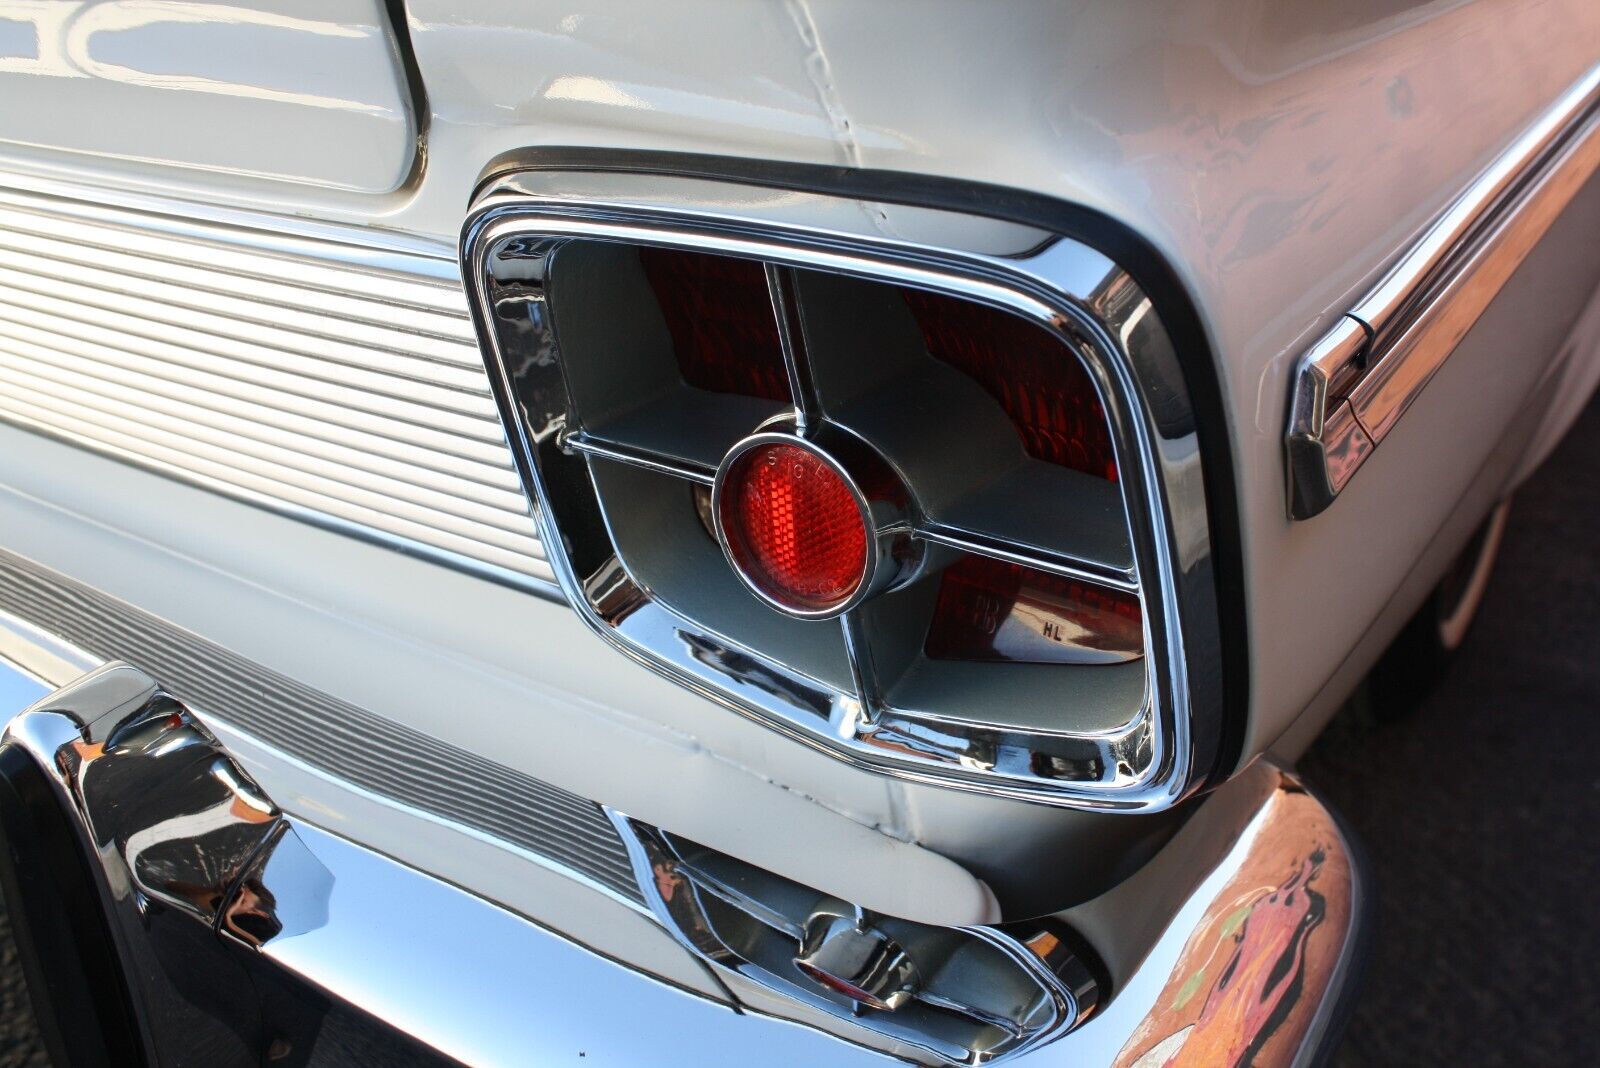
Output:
x,y
490,669
307,91
1280,155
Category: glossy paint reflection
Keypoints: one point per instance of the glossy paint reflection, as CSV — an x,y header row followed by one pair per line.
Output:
x,y
135,79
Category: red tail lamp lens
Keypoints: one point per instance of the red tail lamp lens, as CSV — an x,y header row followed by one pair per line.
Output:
x,y
793,527
721,321
992,610
1037,380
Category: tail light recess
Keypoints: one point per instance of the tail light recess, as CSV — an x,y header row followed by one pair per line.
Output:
x,y
991,610
720,318
1042,386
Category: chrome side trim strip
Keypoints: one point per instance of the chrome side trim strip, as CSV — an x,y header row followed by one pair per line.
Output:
x,y
1356,382
335,737
322,371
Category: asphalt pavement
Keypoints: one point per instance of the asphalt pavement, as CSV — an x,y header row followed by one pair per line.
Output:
x,y
20,1046
1478,812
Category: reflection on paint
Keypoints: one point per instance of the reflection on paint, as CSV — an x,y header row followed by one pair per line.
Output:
x,y
58,39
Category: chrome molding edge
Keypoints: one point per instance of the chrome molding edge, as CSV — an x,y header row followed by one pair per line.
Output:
x,y
558,829
325,372
1355,383
1149,763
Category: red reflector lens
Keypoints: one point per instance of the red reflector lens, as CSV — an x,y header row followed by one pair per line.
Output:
x,y
839,986
992,610
721,321
1037,380
793,527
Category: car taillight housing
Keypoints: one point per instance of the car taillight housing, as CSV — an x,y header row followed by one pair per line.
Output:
x,y
909,501
723,333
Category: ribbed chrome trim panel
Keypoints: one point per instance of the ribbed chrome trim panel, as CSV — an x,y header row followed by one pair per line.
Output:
x,y
328,373
347,742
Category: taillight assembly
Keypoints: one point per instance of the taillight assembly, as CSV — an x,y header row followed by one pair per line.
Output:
x,y
991,610
720,318
910,507
1042,387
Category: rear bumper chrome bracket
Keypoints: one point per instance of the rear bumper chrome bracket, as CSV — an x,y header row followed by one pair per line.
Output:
x,y
241,934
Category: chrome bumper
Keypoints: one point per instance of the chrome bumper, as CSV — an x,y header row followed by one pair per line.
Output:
x,y
168,912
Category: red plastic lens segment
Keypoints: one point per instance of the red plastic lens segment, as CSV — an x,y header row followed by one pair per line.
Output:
x,y
720,317
990,610
839,986
793,527
1039,382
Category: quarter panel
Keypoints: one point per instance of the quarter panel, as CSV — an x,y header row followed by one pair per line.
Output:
x,y
1363,566
1279,155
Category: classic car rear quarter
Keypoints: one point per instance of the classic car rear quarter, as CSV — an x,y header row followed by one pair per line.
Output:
x,y
772,533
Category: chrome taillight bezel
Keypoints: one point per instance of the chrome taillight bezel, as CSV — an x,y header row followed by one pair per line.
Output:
x,y
1166,751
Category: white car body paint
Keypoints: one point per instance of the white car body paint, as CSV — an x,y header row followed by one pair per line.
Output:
x,y
308,91
1279,155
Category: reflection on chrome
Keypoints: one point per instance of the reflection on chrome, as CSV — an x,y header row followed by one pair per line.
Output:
x,y
219,903
1107,759
740,669
1250,984
172,817
284,894
843,952
962,996
191,837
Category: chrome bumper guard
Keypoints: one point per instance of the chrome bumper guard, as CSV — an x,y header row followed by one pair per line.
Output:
x,y
169,913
